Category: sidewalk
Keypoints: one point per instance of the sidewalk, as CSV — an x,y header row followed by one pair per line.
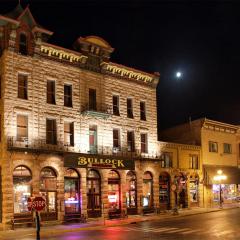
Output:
x,y
100,223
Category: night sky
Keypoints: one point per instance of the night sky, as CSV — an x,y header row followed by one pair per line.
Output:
x,y
200,39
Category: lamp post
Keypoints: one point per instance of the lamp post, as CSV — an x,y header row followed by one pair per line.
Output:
x,y
219,177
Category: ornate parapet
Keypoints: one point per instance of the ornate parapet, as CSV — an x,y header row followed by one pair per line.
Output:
x,y
130,73
62,54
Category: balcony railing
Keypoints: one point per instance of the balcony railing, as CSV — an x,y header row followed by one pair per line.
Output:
x,y
99,110
40,146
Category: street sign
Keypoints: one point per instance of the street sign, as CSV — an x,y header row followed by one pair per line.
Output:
x,y
29,204
38,203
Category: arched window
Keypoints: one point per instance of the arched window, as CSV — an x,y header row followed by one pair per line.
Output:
x,y
94,194
113,190
48,189
22,188
147,190
131,192
71,191
23,44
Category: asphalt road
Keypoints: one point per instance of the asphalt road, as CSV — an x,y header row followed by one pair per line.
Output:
x,y
222,225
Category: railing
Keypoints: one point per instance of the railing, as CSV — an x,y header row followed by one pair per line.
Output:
x,y
41,146
25,144
98,108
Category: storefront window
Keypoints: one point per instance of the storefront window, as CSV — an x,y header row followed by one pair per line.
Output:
x,y
94,194
71,191
230,192
131,193
164,191
48,190
22,188
193,189
147,190
113,191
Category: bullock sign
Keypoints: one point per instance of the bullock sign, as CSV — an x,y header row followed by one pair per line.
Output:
x,y
37,203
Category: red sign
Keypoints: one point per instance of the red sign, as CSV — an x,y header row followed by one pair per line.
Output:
x,y
38,203
29,204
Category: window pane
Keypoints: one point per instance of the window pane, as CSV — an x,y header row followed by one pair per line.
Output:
x,y
22,86
51,92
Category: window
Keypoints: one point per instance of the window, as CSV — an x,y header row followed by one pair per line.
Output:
x,y
92,99
166,160
227,148
51,133
143,111
116,105
22,128
130,141
116,138
144,143
22,86
51,92
129,108
23,44
67,95
213,147
193,162
68,134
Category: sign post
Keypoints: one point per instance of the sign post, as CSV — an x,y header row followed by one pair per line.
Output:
x,y
37,204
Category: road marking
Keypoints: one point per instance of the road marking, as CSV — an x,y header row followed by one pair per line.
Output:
x,y
190,231
179,230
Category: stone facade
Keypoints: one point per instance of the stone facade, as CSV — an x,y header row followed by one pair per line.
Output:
x,y
86,67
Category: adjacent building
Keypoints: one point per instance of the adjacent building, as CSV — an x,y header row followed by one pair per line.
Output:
x,y
220,151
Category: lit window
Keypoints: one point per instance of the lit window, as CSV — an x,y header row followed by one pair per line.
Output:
x,y
116,105
193,161
51,92
22,86
129,108
227,148
166,160
144,143
67,95
22,128
213,146
68,134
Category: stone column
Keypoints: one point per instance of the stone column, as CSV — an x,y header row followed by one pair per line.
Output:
x,y
83,190
123,191
104,191
139,175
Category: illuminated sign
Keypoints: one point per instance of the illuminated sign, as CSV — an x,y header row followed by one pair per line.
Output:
x,y
112,198
95,161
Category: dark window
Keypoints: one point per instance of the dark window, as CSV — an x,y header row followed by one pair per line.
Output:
x,y
227,148
142,111
67,95
69,134
51,132
166,160
22,128
115,100
193,162
22,86
92,99
116,138
23,44
213,146
144,143
129,108
51,92
130,141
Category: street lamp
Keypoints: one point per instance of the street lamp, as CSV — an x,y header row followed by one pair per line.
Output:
x,y
178,74
219,177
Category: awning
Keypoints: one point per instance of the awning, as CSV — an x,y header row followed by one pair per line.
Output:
x,y
232,173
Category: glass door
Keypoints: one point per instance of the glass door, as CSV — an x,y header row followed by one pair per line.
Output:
x,y
164,191
131,193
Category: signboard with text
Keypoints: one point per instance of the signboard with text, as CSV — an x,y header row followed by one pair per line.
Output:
x,y
95,161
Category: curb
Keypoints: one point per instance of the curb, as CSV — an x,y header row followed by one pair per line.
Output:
x,y
49,232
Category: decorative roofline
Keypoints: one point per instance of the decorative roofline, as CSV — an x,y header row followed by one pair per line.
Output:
x,y
62,53
182,146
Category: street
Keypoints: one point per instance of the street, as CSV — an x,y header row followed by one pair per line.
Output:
x,y
216,225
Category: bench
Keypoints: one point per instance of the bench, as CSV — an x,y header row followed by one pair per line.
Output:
x,y
19,220
75,217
